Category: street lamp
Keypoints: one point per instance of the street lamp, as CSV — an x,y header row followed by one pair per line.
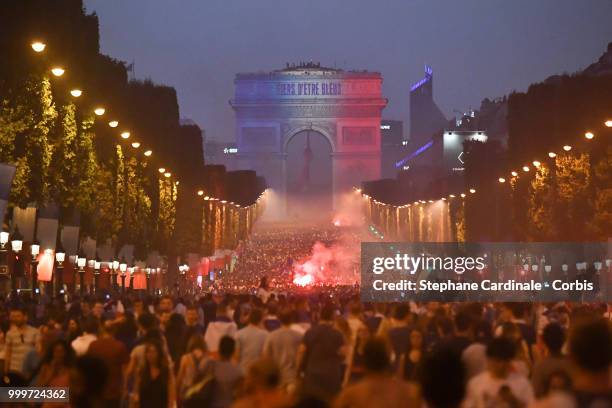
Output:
x,y
567,148
148,276
114,271
96,265
113,123
34,251
135,145
125,135
122,269
76,92
38,46
16,246
81,262
552,155
608,123
16,241
148,153
57,71
4,239
60,257
131,272
99,111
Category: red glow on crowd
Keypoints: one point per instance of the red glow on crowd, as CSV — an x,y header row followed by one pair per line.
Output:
x,y
303,280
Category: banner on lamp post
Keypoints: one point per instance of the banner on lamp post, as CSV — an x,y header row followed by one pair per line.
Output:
x,y
70,234
46,230
25,220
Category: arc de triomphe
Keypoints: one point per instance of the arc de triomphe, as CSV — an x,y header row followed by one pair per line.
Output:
x,y
343,106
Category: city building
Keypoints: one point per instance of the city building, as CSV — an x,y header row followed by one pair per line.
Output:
x,y
426,118
393,146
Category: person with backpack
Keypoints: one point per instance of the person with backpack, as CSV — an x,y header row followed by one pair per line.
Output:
x,y
192,364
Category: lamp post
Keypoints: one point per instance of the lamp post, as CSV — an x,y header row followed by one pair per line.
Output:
x,y
114,270
132,271
60,257
123,269
16,246
4,272
148,275
96,264
81,262
34,250
159,279
183,269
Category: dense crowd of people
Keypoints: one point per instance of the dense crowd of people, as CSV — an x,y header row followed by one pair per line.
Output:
x,y
275,248
324,349
265,345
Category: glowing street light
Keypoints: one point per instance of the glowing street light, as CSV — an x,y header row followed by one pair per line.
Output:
x,y
536,163
501,180
552,155
161,170
589,135
76,93
135,145
16,241
608,123
58,71
567,148
472,190
125,135
200,192
99,111
462,195
113,123
38,46
167,174
148,153
514,173
525,169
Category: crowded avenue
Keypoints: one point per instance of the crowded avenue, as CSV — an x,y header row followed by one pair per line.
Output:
x,y
256,338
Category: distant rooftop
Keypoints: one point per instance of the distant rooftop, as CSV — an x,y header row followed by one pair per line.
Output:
x,y
311,69
307,66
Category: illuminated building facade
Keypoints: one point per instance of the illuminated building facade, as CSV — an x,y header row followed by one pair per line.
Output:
x,y
343,106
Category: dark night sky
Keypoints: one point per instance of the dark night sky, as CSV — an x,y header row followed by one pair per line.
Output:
x,y
477,48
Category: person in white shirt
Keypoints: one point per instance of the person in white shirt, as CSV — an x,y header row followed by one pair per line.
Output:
x,y
221,326
499,385
90,334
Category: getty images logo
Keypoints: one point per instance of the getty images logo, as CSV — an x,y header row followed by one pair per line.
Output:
x,y
413,264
